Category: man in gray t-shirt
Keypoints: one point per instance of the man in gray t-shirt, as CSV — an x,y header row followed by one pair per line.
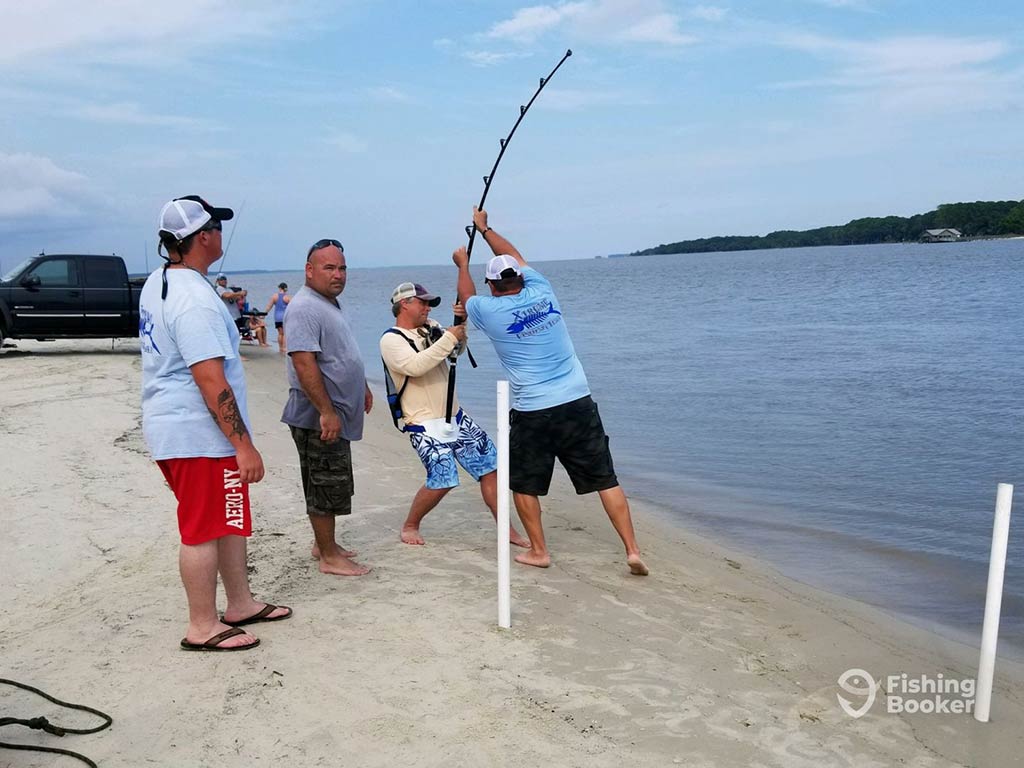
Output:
x,y
327,398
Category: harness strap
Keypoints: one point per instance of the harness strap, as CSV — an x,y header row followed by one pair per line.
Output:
x,y
395,398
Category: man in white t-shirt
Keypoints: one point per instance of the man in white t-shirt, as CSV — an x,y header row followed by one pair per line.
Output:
x,y
196,424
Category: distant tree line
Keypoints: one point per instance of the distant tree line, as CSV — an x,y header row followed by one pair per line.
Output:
x,y
980,219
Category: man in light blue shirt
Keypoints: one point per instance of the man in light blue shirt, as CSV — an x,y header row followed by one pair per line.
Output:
x,y
196,424
553,415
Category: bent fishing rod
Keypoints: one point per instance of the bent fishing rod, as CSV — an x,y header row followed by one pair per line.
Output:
x,y
471,230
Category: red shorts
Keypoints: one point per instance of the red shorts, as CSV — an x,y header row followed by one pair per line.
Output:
x,y
212,499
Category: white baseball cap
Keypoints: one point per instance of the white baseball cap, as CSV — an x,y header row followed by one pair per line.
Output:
x,y
499,264
414,291
185,216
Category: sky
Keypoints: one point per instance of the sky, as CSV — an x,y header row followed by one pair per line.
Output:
x,y
374,123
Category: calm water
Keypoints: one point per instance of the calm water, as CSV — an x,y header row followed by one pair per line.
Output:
x,y
843,413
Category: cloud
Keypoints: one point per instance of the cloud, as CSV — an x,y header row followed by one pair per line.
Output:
x,y
50,29
601,21
708,13
856,5
490,58
35,190
571,100
528,23
901,55
389,94
127,113
912,74
346,142
660,28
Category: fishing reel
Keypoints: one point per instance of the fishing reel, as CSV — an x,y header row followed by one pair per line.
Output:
x,y
432,333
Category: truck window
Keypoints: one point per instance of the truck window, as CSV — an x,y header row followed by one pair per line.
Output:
x,y
54,273
103,273
17,270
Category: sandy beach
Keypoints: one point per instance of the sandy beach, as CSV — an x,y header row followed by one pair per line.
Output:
x,y
713,660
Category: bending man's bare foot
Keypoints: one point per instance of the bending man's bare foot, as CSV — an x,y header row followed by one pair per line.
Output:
x,y
538,560
518,539
341,551
636,566
411,535
342,566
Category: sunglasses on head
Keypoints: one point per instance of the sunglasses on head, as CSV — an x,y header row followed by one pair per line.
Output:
x,y
323,244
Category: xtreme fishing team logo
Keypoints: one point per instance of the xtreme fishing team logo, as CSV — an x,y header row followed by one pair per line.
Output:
x,y
146,326
925,694
537,318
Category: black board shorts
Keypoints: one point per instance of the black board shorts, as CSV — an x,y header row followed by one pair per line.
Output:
x,y
573,434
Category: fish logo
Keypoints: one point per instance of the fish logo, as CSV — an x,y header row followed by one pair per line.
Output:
x,y
531,318
860,683
146,326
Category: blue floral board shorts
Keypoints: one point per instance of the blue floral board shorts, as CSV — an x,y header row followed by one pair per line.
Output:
x,y
473,450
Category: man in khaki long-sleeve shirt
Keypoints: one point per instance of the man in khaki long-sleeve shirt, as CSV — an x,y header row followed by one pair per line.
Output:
x,y
416,352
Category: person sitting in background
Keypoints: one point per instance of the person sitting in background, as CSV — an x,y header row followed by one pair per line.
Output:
x,y
257,328
279,301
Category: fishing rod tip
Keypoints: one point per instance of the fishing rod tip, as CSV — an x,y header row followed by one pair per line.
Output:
x,y
569,52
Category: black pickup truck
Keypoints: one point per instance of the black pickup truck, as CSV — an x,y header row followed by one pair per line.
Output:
x,y
69,296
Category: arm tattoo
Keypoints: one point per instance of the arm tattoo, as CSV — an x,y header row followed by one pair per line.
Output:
x,y
228,412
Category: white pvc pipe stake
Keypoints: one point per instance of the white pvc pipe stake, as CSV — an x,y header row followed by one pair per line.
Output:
x,y
993,602
504,566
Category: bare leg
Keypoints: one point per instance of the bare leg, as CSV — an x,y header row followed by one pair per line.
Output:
x,y
280,341
424,501
315,551
234,573
528,508
617,507
331,559
489,492
198,566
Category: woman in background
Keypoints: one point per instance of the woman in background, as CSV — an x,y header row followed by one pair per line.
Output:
x,y
279,301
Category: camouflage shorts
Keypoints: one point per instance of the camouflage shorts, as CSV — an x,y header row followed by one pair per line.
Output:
x,y
326,473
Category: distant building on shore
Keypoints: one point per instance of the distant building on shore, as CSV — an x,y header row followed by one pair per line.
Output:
x,y
940,235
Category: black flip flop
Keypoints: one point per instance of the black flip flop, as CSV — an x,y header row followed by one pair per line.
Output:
x,y
262,615
214,643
